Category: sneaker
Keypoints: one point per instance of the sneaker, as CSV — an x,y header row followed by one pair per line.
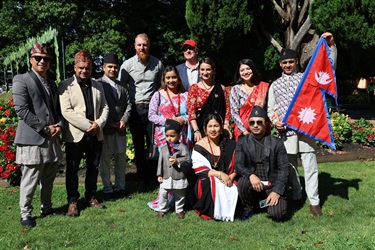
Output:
x,y
73,209
122,194
109,197
50,212
28,222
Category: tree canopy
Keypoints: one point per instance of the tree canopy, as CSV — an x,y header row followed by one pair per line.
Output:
x,y
227,30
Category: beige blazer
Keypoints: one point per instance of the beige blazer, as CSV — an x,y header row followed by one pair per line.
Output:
x,y
73,109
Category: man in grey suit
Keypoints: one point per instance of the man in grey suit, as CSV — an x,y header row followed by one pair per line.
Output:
x,y
39,126
114,142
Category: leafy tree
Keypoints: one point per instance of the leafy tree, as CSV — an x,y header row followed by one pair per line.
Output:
x,y
352,23
100,26
235,29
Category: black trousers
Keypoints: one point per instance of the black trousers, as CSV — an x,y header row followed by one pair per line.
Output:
x,y
91,148
140,128
250,199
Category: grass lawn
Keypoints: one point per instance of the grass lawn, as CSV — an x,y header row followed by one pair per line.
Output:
x,y
346,192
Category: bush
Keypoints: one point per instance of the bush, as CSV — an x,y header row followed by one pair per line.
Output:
x,y
341,129
363,133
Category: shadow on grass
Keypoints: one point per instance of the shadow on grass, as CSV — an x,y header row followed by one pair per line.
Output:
x,y
335,186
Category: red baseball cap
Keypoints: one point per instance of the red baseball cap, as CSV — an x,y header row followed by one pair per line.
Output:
x,y
192,43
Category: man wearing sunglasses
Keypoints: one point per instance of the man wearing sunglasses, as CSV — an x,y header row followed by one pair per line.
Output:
x,y
189,70
262,162
40,124
280,96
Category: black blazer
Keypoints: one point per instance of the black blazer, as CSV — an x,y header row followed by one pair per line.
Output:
x,y
275,160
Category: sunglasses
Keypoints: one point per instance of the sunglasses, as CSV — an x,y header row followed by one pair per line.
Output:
x,y
259,123
39,58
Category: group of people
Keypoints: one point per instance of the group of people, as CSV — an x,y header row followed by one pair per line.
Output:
x,y
191,114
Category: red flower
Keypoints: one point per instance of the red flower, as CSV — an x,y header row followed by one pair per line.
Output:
x,y
3,147
11,102
5,175
4,137
7,112
1,107
10,167
9,156
17,169
361,129
1,169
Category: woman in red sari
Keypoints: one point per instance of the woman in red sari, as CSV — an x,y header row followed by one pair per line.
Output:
x,y
207,97
247,92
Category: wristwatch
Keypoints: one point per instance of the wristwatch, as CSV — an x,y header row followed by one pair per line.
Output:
x,y
46,130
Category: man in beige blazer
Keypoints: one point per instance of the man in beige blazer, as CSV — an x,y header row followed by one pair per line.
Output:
x,y
84,107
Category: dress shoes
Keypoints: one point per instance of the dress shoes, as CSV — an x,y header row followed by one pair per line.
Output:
x,y
181,215
28,222
95,203
109,197
246,215
122,194
316,210
73,209
161,214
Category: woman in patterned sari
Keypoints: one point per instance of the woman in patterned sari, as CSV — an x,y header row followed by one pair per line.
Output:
x,y
247,92
213,163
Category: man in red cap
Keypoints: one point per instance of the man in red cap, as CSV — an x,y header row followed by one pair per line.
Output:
x,y
189,70
85,109
40,124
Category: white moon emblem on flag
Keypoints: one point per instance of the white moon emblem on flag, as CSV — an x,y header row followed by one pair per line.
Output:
x,y
307,115
323,77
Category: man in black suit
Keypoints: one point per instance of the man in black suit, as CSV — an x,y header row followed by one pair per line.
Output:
x,y
40,124
114,142
262,162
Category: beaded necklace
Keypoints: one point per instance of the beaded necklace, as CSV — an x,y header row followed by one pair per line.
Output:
x,y
176,114
212,154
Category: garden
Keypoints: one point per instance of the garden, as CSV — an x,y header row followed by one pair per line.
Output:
x,y
345,193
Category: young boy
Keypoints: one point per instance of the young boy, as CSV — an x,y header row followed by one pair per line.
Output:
x,y
171,172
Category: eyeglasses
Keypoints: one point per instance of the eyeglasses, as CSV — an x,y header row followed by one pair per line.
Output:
x,y
39,58
259,123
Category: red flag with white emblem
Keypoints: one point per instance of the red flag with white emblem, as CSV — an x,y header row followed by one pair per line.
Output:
x,y
308,112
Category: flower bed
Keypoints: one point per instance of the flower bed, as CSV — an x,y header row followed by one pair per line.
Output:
x,y
9,170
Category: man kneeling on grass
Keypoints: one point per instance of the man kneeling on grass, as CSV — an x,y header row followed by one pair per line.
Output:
x,y
262,163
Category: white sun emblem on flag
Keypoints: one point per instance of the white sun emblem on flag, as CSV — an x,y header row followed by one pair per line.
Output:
x,y
307,115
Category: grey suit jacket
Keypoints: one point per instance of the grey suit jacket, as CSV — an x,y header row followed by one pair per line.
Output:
x,y
30,101
119,108
275,160
167,170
